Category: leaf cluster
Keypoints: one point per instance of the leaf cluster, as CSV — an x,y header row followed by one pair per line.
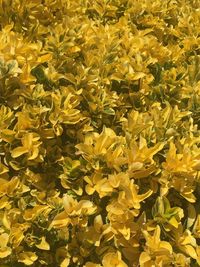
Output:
x,y
99,133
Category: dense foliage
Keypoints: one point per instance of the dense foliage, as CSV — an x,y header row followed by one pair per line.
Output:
x,y
99,133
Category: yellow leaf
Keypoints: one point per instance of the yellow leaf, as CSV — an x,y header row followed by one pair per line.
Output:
x,y
98,223
28,258
91,264
73,49
173,222
3,169
191,215
144,257
78,191
44,58
196,228
6,222
65,263
196,165
135,166
69,203
15,165
189,197
16,236
85,207
89,189
7,135
136,76
114,180
61,220
166,245
5,252
18,151
190,251
113,259
31,214
143,173
198,255
4,240
27,140
12,185
43,244
34,154
24,121
153,150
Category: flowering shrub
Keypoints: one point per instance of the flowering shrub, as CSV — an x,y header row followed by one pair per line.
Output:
x,y
99,133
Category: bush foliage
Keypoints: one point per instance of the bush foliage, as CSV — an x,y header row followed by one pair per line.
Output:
x,y
99,133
